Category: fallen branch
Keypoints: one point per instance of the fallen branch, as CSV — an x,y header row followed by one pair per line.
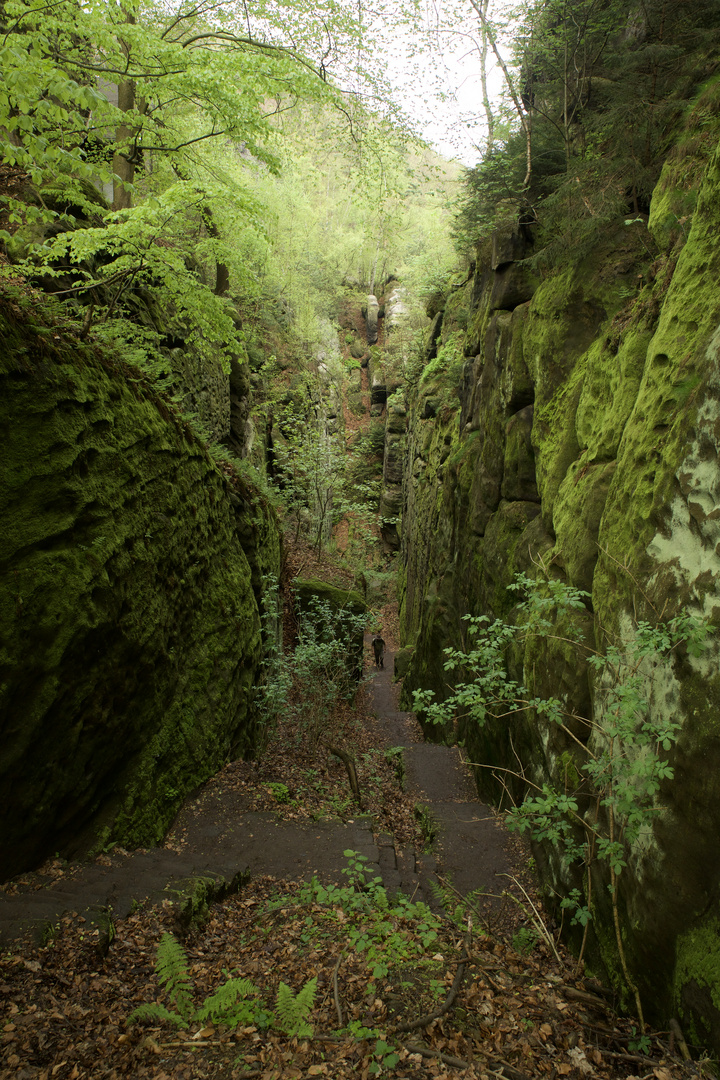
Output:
x,y
193,1044
350,768
497,1066
508,1070
677,1032
582,995
336,995
640,1058
423,1021
488,977
446,1058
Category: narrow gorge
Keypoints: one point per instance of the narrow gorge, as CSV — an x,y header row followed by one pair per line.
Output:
x,y
243,350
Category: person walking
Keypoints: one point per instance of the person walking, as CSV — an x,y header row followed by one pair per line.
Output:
x,y
379,650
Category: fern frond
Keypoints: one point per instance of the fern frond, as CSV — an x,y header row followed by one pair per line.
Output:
x,y
172,971
228,1005
440,894
154,1012
292,1011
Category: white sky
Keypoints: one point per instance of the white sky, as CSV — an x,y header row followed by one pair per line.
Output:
x,y
455,127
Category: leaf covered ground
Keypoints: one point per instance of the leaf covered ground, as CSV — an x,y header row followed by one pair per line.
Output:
x,y
400,991
65,1006
508,1005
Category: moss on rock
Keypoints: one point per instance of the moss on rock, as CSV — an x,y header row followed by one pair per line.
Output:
x,y
130,626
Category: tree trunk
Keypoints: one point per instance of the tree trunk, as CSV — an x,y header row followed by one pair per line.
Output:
x,y
481,11
222,271
489,116
123,163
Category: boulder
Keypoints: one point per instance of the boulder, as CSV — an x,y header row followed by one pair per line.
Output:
x,y
338,600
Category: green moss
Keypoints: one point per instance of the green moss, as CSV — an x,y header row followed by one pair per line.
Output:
x,y
577,515
611,379
697,978
675,196
555,442
457,310
128,600
338,599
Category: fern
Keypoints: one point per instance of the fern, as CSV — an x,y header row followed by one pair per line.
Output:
x,y
155,1012
172,971
226,1005
292,1011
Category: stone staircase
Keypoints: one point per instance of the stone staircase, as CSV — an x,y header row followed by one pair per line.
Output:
x,y
223,849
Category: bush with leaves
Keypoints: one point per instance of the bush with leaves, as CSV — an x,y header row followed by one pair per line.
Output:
x,y
306,683
389,932
622,765
310,466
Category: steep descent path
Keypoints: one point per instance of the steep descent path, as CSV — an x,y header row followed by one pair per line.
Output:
x,y
469,848
218,836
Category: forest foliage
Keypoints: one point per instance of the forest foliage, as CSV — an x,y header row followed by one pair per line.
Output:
x,y
593,95
173,174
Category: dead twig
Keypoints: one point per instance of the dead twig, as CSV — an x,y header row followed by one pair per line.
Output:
x,y
463,899
446,1058
423,1021
336,995
536,916
349,764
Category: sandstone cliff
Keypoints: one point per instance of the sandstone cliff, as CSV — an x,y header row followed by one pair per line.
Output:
x,y
129,605
566,422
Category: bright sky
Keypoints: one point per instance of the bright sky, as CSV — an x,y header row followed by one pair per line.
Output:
x,y
441,90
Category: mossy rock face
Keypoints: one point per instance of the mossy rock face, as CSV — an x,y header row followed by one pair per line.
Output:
x,y
578,512
396,417
661,520
610,382
356,404
390,503
505,553
516,386
206,390
339,600
519,465
195,897
426,669
129,602
555,443
394,458
600,397
402,662
513,285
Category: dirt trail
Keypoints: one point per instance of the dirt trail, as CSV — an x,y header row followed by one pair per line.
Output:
x,y
216,835
469,847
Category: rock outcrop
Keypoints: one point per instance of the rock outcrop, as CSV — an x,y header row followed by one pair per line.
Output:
x,y
131,578
573,420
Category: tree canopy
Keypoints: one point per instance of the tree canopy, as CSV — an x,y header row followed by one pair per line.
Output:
x,y
180,116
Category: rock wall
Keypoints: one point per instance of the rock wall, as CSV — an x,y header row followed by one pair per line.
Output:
x,y
130,577
572,419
